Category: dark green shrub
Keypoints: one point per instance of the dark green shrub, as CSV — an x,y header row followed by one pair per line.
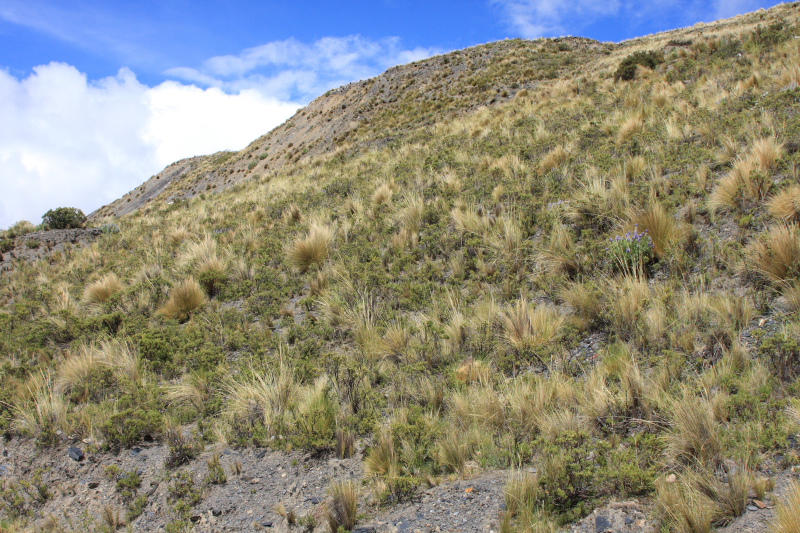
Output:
x,y
6,245
627,69
131,426
64,218
783,354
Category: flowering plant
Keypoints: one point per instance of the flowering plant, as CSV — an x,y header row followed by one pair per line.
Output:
x,y
631,252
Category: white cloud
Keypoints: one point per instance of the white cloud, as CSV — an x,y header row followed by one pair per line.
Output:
x,y
66,141
291,69
538,18
550,18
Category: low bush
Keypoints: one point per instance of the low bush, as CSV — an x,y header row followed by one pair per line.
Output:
x,y
64,218
627,69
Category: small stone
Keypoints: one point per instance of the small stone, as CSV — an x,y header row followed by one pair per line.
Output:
x,y
135,451
751,507
255,480
601,524
87,441
759,504
628,520
283,475
469,489
261,454
672,478
195,519
76,454
266,523
314,500
216,511
3,470
93,484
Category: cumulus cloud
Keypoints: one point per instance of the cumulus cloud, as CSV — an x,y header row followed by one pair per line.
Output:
x,y
67,141
291,69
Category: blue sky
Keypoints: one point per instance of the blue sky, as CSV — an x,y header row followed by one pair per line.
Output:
x,y
96,96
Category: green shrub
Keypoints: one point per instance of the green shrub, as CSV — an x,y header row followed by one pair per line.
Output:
x,y
783,353
627,69
131,426
64,218
6,245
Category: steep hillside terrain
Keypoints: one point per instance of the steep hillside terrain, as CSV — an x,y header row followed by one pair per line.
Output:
x,y
530,285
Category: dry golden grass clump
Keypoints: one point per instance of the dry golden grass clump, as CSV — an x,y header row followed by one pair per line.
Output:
x,y
383,194
473,371
103,289
787,514
344,506
553,159
312,249
526,326
776,255
660,226
631,125
184,299
785,205
750,178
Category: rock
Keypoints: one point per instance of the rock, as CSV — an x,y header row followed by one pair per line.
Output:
x,y
314,500
672,478
261,454
628,520
216,511
76,454
195,519
601,524
759,504
365,530
135,451
751,507
93,484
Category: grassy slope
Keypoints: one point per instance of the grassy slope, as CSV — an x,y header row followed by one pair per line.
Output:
x,y
431,298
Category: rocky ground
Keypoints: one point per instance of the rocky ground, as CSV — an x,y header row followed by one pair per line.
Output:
x,y
39,244
69,488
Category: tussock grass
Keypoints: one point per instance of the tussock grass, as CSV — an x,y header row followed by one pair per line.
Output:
x,y
659,224
312,249
787,514
101,290
261,397
183,299
344,506
553,159
695,436
630,126
527,326
44,410
785,205
775,256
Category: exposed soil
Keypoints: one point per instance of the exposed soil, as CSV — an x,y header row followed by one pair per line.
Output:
x,y
83,493
39,244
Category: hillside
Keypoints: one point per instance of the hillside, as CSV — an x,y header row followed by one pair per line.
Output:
x,y
518,282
